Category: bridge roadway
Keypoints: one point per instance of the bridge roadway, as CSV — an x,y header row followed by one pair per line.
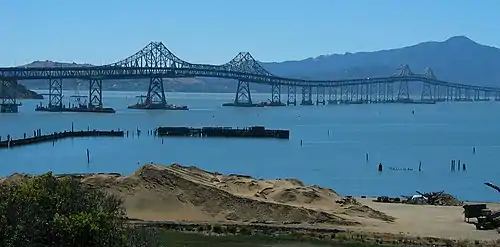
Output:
x,y
156,62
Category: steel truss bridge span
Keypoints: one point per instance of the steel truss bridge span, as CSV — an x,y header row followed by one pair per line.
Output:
x,y
112,72
156,62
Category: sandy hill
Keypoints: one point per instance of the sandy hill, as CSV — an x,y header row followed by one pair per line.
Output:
x,y
176,192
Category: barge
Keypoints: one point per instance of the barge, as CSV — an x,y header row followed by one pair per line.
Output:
x,y
145,103
236,104
81,108
250,132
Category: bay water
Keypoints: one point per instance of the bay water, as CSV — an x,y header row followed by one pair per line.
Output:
x,y
336,140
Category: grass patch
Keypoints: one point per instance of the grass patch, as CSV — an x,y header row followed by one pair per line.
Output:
x,y
178,239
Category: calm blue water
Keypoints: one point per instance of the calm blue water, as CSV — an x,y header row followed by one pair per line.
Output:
x,y
335,141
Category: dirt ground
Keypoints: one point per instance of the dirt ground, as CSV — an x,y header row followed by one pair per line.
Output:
x,y
427,220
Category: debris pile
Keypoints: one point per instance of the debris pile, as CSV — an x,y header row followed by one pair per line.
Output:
x,y
434,198
448,200
431,198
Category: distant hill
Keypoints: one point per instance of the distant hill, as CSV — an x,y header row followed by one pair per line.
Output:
x,y
52,64
20,91
458,59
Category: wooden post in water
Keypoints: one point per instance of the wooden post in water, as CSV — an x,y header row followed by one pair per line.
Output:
x,y
72,127
88,156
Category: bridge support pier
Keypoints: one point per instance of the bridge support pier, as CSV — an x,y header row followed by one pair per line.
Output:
x,y
55,93
156,93
477,96
404,92
276,95
8,104
449,93
95,94
306,95
292,95
426,92
497,96
332,95
320,95
389,92
243,97
155,98
362,91
486,96
373,93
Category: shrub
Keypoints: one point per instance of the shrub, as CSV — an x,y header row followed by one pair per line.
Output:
x,y
47,211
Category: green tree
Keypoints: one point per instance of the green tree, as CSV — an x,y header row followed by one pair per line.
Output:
x,y
49,211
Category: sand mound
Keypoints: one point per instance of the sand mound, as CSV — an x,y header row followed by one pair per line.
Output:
x,y
188,193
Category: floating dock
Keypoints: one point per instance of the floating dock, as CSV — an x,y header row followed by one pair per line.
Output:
x,y
250,132
59,135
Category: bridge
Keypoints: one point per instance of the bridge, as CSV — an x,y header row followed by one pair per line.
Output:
x,y
155,62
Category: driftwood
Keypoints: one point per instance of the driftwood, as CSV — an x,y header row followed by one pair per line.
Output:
x,y
493,186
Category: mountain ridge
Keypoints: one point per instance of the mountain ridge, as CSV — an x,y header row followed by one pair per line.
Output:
x,y
457,59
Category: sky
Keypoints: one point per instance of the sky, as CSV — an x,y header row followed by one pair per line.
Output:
x,y
214,31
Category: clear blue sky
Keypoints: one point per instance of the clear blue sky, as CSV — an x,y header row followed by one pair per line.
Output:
x,y
213,31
